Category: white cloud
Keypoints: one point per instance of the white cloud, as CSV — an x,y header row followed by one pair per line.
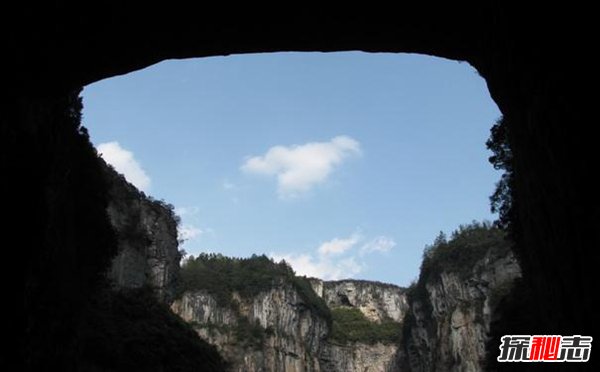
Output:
x,y
300,167
338,258
124,162
337,246
381,244
321,267
188,232
186,211
326,263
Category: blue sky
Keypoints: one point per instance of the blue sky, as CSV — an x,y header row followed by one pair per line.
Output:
x,y
344,164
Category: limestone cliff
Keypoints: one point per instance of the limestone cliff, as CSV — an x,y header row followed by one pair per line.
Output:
x,y
272,331
261,317
375,300
256,313
362,357
451,309
147,238
378,303
280,333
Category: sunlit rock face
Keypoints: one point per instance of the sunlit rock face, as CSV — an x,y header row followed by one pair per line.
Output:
x,y
292,336
375,300
447,329
361,357
284,334
146,231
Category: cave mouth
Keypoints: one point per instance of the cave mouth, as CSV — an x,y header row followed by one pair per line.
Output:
x,y
538,89
401,139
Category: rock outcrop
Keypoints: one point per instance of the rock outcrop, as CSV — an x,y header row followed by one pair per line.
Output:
x,y
445,318
377,301
443,321
276,331
449,319
146,229
273,331
378,357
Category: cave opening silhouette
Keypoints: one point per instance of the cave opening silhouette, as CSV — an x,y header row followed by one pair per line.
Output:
x,y
539,88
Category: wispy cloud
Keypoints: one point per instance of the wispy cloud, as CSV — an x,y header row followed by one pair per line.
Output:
x,y
186,211
320,267
381,244
338,258
125,163
299,168
338,246
189,232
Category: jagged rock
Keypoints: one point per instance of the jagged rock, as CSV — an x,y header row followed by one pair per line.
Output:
x,y
360,357
146,229
375,300
275,330
288,334
294,336
449,327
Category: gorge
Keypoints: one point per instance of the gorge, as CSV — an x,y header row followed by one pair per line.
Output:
x,y
535,68
260,316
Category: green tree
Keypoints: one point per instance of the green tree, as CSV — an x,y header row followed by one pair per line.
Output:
x,y
221,276
350,325
502,159
467,245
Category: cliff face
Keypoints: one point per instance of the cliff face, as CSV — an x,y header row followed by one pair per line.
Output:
x,y
273,331
276,331
147,239
378,302
447,326
358,356
443,323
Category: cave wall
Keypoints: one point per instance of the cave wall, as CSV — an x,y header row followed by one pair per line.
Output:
x,y
534,65
57,181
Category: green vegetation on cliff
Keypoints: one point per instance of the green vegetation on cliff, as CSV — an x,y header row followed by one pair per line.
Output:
x,y
246,333
502,200
222,276
459,254
350,325
467,245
